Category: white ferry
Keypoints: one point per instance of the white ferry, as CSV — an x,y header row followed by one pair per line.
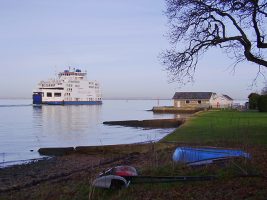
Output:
x,y
69,88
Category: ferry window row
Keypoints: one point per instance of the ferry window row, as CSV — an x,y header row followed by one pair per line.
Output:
x,y
93,99
57,94
50,94
48,85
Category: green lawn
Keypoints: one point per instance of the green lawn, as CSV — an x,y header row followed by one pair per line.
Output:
x,y
223,127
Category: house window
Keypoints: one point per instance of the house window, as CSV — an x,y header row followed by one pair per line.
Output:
x,y
57,94
49,94
199,101
187,101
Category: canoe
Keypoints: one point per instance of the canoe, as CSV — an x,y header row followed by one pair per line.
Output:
x,y
199,156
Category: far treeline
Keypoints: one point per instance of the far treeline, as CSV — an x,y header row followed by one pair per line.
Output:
x,y
257,101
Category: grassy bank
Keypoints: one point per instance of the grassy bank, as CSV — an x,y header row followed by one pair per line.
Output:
x,y
223,128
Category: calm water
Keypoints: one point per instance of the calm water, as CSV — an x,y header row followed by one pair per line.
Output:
x,y
25,128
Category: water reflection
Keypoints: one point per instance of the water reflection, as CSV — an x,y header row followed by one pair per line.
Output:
x,y
82,125
65,123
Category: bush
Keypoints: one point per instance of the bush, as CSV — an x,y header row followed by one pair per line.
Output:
x,y
262,103
253,100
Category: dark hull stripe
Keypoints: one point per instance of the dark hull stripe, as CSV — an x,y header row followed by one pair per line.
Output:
x,y
72,102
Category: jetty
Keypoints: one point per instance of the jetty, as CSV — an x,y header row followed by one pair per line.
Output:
x,y
172,109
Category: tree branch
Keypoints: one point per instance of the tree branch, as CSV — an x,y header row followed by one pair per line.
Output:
x,y
202,24
260,43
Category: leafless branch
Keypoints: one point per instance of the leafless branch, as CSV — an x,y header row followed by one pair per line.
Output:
x,y
204,24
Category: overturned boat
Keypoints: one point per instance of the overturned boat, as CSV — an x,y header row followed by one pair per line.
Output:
x,y
200,156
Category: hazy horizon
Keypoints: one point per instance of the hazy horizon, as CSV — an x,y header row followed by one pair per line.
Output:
x,y
126,99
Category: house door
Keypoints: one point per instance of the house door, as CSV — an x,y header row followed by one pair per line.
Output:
x,y
178,104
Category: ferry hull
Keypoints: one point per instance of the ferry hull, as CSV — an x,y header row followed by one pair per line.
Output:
x,y
72,103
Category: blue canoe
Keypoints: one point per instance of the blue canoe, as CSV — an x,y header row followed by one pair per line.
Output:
x,y
199,156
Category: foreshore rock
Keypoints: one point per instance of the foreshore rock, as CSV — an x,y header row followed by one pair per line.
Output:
x,y
93,150
57,151
155,123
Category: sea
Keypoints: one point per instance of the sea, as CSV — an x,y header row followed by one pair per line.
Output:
x,y
24,128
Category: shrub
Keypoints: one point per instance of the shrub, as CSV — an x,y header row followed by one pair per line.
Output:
x,y
253,100
262,103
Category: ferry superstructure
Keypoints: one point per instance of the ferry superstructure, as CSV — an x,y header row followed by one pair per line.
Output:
x,y
69,88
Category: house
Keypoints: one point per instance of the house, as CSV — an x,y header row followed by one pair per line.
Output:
x,y
196,100
221,101
193,99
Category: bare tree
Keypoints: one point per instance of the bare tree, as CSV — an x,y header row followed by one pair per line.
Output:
x,y
237,26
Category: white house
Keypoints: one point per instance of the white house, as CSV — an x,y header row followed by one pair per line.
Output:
x,y
201,100
221,101
192,100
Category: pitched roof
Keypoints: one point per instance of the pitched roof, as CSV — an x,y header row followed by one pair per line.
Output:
x,y
227,97
192,95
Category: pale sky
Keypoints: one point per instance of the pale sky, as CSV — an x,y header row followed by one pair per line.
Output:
x,y
118,42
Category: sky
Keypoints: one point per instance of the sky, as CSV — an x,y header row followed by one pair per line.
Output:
x,y
118,42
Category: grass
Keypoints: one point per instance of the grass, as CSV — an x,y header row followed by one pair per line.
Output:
x,y
223,127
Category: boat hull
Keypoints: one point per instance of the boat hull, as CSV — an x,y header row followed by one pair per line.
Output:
x,y
72,103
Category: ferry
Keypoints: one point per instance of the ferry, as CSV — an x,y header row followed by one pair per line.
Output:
x,y
70,87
